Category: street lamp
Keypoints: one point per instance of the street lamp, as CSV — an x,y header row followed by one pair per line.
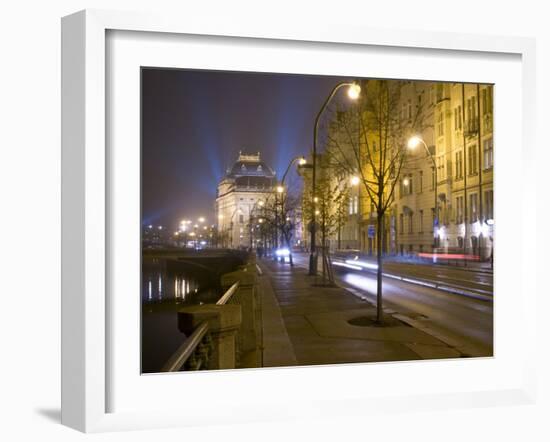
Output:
x,y
280,190
354,91
413,144
354,180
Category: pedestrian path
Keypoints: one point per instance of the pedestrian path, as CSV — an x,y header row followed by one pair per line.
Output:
x,y
304,324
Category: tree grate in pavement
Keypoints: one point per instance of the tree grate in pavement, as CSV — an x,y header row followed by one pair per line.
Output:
x,y
365,321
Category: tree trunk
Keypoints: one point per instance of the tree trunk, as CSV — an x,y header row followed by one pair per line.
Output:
x,y
380,224
290,260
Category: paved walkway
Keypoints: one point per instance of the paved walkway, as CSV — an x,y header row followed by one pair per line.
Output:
x,y
304,324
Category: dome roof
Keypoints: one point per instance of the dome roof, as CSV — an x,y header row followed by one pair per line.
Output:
x,y
250,165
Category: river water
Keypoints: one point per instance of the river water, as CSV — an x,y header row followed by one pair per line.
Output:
x,y
166,287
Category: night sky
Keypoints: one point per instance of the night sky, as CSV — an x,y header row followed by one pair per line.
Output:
x,y
194,123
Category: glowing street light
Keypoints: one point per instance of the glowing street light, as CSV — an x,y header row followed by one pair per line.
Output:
x,y
302,161
354,91
201,219
414,142
354,180
280,189
406,182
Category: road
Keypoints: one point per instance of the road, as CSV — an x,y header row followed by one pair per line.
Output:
x,y
463,322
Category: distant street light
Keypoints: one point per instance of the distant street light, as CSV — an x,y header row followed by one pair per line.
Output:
x,y
412,144
354,180
354,91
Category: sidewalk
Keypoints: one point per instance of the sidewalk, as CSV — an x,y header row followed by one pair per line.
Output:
x,y
308,325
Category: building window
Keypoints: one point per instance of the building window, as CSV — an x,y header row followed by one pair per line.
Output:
x,y
433,178
433,218
409,109
473,208
353,205
441,167
420,181
440,124
406,185
420,221
488,204
401,229
458,164
241,219
472,160
458,117
460,210
410,222
488,154
439,92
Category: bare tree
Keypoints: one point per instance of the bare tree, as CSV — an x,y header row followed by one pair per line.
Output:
x,y
369,141
329,204
276,219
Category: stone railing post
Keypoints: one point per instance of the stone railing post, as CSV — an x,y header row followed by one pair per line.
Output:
x,y
246,298
223,324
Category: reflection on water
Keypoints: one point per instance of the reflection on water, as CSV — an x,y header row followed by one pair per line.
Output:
x,y
162,284
182,286
167,286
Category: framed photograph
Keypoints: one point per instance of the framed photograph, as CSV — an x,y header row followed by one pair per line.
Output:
x,y
272,222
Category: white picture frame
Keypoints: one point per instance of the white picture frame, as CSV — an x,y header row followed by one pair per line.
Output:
x,y
85,202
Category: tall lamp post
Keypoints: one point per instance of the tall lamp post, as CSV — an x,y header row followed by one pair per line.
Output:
x,y
413,144
354,90
281,188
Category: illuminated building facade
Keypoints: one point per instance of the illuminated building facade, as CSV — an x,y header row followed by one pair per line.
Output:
x,y
246,183
458,136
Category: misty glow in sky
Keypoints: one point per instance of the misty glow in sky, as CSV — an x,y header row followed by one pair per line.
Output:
x,y
194,123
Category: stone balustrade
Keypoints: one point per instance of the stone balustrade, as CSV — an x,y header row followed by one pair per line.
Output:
x,y
233,327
